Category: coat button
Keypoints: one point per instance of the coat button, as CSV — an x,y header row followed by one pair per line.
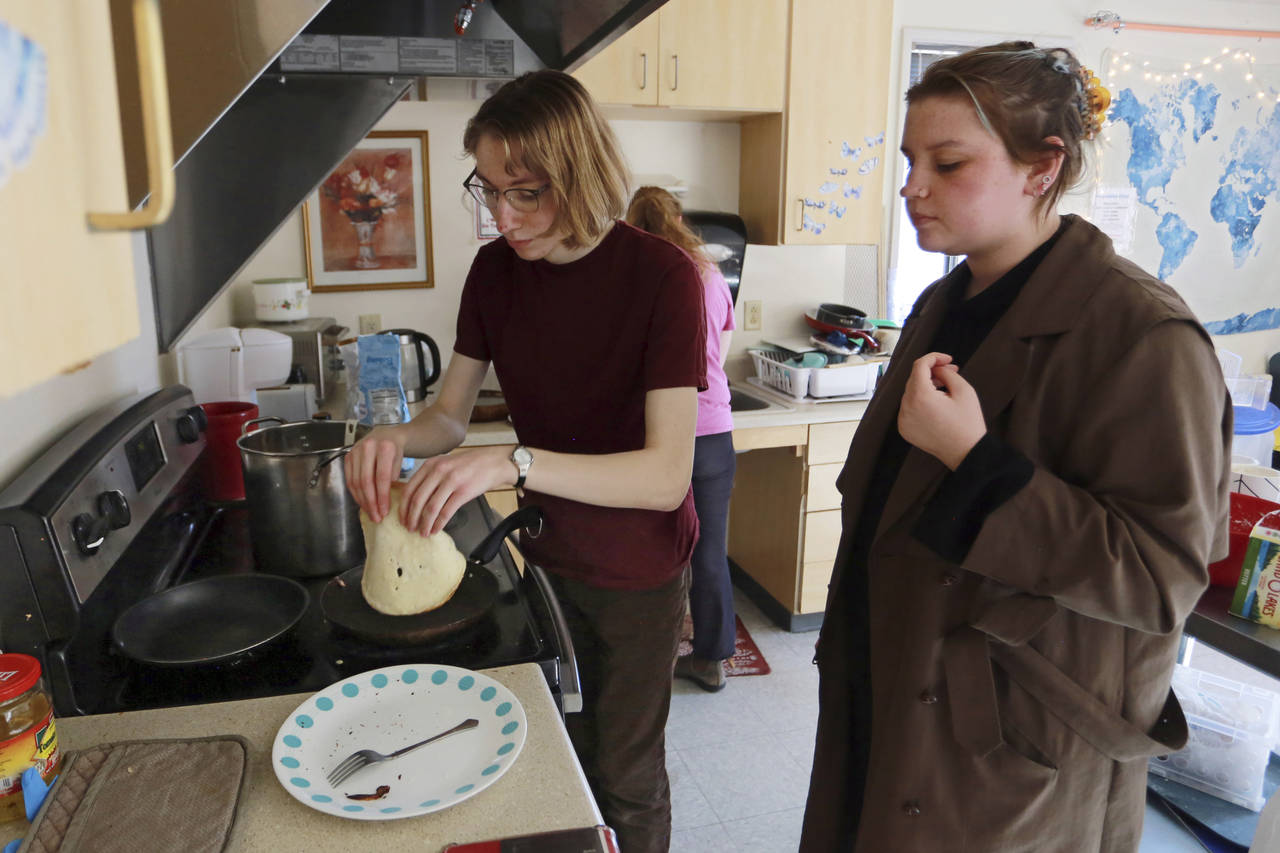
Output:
x,y
949,579
911,808
928,697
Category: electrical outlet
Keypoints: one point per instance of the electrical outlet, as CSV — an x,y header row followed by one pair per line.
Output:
x,y
370,323
752,311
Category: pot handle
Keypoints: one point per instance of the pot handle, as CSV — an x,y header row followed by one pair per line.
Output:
x,y
315,475
488,547
244,430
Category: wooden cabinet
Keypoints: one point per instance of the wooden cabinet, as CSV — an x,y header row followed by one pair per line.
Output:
x,y
784,517
815,174
69,292
707,54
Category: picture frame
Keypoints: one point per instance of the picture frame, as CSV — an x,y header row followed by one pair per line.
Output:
x,y
368,225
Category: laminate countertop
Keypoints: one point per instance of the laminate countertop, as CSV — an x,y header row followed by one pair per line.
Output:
x,y
544,789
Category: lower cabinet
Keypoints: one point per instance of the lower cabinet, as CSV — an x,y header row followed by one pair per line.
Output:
x,y
784,521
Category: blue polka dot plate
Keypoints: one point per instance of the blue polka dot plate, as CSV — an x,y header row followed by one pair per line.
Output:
x,y
384,710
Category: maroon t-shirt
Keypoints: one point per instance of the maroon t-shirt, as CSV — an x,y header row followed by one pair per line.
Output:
x,y
575,347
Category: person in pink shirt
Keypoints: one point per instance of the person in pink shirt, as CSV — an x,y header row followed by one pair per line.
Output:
x,y
710,594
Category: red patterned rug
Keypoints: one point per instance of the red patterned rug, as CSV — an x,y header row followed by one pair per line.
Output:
x,y
746,660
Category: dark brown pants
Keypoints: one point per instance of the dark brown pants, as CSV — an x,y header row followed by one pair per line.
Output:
x,y
625,642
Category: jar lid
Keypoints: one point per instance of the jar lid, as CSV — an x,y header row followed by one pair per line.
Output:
x,y
18,674
1251,421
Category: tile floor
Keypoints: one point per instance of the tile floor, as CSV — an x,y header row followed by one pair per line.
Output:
x,y
739,759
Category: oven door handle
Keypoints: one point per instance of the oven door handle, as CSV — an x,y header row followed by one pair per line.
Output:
x,y
570,685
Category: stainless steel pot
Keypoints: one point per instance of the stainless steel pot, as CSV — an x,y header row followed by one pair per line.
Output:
x,y
419,368
302,520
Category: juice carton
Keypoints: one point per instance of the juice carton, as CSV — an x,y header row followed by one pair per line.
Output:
x,y
1257,595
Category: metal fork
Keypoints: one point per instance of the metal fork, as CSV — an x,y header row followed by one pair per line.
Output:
x,y
359,760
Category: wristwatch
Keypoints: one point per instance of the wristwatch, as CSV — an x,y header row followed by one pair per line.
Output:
x,y
522,458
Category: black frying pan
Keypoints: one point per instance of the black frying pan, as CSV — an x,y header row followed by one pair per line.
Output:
x,y
343,604
210,621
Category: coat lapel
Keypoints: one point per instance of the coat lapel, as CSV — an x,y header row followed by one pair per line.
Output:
x,y
881,417
1049,304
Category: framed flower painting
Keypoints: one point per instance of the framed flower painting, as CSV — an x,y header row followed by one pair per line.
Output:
x,y
368,226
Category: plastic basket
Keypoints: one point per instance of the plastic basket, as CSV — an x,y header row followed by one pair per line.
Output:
x,y
1231,727
773,371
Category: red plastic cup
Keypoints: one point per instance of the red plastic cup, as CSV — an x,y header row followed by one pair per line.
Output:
x,y
222,471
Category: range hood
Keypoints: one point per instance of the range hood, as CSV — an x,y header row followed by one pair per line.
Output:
x,y
252,140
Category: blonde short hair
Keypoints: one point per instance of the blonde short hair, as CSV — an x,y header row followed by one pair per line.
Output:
x,y
549,125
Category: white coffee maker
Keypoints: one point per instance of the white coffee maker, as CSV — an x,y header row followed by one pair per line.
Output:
x,y
231,364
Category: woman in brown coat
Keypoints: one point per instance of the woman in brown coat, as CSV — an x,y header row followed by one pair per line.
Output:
x,y
1029,503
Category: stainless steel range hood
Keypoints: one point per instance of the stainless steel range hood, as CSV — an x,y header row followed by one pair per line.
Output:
x,y
252,141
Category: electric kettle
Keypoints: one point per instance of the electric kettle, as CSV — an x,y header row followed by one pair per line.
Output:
x,y
418,368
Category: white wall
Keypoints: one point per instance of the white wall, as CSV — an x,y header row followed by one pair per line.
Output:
x,y
700,155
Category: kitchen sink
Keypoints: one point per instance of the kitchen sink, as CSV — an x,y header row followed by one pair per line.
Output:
x,y
741,401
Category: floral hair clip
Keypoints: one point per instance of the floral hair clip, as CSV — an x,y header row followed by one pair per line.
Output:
x,y
1093,102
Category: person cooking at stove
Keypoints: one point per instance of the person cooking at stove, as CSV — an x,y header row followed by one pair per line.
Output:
x,y
710,589
1029,503
595,331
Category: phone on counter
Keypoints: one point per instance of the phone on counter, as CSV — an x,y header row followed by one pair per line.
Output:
x,y
588,839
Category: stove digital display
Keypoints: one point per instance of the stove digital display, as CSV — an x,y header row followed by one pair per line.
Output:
x,y
145,455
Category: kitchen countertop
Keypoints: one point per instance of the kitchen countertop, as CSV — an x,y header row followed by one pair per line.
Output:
x,y
785,412
544,789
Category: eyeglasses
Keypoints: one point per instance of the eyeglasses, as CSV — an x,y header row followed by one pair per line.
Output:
x,y
520,198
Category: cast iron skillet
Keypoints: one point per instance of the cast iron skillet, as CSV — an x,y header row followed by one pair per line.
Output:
x,y
343,604
210,621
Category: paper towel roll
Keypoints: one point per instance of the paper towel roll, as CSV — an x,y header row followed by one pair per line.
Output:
x,y
1256,480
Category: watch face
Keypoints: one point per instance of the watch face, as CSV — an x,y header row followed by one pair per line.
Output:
x,y
522,456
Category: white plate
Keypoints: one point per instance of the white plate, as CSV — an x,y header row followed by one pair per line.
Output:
x,y
389,708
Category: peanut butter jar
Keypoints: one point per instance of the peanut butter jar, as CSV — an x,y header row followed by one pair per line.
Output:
x,y
27,735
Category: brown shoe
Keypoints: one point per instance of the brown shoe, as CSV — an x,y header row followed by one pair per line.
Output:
x,y
707,674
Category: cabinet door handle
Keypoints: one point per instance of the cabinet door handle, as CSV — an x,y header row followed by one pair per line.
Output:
x,y
644,70
154,85
800,218
675,78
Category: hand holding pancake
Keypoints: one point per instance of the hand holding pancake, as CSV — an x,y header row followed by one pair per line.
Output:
x,y
405,573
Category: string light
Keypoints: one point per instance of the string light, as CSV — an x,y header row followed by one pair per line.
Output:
x,y
1207,64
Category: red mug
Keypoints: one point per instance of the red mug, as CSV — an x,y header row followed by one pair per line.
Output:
x,y
222,470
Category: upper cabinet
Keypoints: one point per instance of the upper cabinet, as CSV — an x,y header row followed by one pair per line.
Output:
x,y
815,174
703,54
69,292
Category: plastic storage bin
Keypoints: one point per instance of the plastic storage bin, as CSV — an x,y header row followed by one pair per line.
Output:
x,y
846,379
1255,433
1232,727
772,369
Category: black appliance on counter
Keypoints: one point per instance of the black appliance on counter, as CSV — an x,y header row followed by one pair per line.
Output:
x,y
725,236
114,512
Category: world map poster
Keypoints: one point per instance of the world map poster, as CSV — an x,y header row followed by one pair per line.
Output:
x,y
1198,141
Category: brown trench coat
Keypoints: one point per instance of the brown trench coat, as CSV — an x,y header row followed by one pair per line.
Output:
x,y
1016,696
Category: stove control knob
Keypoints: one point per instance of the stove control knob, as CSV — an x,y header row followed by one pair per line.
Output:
x,y
191,423
114,507
89,532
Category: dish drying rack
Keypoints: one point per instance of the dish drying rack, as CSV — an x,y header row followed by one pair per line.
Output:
x,y
816,384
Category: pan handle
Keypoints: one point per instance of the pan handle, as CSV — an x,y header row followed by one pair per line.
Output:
x,y
488,547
